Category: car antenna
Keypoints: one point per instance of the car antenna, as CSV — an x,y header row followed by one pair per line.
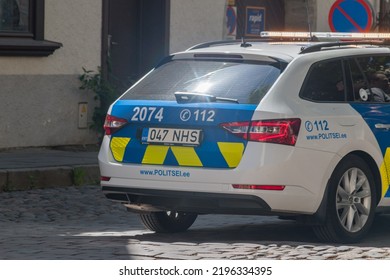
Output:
x,y
244,44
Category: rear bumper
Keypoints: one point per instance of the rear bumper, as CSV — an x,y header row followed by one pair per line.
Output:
x,y
210,190
149,200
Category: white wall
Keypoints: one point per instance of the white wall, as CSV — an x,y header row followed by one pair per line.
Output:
x,y
40,95
74,23
195,21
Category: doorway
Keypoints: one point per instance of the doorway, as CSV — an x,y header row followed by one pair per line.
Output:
x,y
135,38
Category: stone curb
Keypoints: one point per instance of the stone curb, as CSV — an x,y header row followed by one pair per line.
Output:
x,y
37,178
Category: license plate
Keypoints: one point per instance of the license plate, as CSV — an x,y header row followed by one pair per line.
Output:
x,y
171,136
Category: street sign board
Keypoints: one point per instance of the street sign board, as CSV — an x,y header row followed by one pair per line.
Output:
x,y
350,16
255,21
231,22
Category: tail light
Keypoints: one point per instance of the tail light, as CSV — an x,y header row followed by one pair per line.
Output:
x,y
113,124
282,131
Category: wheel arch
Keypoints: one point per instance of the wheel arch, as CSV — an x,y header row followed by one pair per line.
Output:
x,y
320,215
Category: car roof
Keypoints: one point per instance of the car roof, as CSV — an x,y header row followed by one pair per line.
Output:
x,y
282,51
286,49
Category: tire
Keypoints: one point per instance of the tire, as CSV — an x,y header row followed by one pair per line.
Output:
x,y
351,202
170,221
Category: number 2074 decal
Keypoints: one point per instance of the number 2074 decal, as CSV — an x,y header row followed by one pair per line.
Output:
x,y
147,114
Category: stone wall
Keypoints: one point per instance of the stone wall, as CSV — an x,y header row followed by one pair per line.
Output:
x,y
299,14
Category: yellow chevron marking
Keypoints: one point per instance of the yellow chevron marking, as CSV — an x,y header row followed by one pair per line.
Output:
x,y
186,156
155,154
385,172
118,147
232,152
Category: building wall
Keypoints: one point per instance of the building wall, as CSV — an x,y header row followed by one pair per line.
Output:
x,y
300,15
195,21
40,95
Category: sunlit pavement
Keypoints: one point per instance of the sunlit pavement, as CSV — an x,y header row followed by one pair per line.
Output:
x,y
80,223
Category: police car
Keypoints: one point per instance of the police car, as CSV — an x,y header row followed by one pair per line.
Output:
x,y
285,126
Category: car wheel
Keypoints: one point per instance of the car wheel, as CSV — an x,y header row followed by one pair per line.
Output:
x,y
169,221
351,202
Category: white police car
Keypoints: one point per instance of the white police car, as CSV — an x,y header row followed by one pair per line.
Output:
x,y
261,128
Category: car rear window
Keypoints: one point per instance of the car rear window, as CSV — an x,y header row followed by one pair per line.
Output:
x,y
247,82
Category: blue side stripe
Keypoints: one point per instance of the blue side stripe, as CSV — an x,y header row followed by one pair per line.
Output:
x,y
374,113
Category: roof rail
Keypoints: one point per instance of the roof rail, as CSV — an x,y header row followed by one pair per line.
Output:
x,y
320,46
327,40
244,43
325,35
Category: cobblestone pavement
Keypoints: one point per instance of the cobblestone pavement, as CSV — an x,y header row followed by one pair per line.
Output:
x,y
80,223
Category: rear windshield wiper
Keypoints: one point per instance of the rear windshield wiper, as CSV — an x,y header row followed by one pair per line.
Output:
x,y
193,97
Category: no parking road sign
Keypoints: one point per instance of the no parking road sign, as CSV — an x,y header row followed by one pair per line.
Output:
x,y
350,16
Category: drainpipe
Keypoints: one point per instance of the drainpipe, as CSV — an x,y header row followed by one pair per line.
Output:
x,y
377,9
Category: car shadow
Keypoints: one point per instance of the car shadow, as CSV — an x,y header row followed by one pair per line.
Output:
x,y
273,231
115,240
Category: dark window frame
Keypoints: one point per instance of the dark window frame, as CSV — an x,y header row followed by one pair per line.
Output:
x,y
29,43
349,61
325,100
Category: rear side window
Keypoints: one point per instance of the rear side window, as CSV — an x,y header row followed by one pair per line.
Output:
x,y
376,70
325,82
247,82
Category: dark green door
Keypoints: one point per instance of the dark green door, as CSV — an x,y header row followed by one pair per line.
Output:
x,y
135,38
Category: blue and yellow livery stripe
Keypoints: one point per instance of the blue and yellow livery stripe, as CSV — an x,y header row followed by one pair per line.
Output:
x,y
118,147
230,153
385,173
186,156
374,114
218,148
155,154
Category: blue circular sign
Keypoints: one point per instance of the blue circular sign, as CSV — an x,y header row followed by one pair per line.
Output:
x,y
350,16
231,20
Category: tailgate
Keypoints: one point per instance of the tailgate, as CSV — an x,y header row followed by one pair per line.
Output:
x,y
171,134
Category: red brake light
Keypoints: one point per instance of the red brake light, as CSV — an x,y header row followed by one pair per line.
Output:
x,y
282,131
260,187
113,124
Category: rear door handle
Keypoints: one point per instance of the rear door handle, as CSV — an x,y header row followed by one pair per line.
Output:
x,y
382,126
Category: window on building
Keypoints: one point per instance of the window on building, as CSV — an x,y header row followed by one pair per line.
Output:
x,y
22,29
14,15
